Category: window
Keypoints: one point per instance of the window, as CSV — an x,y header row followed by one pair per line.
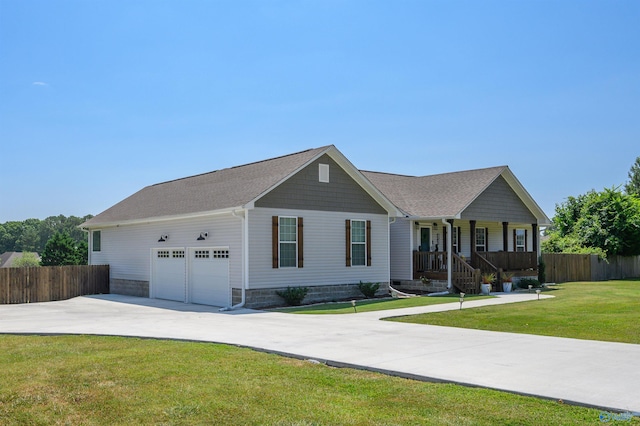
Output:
x,y
455,238
201,254
221,254
287,242
358,242
96,238
163,254
323,171
520,243
481,239
177,254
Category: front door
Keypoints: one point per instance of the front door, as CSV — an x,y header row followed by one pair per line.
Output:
x,y
425,239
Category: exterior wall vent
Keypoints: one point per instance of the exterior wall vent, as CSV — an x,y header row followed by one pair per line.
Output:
x,y
323,170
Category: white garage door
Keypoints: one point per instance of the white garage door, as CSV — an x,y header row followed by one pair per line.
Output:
x,y
209,276
168,274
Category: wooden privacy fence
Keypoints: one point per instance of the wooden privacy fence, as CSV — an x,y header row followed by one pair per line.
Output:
x,y
561,267
49,283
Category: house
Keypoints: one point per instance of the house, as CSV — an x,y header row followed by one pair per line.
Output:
x,y
235,236
476,221
7,258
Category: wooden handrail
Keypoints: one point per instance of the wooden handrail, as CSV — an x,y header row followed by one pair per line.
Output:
x,y
464,276
483,264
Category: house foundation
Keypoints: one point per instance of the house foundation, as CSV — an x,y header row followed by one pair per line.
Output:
x,y
420,287
264,298
129,287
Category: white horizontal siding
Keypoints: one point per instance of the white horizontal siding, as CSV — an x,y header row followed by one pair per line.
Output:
x,y
127,249
401,249
324,250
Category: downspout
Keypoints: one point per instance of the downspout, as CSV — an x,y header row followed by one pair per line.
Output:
x,y
449,255
245,251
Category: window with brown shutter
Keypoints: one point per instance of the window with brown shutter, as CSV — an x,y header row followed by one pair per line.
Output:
x,y
300,243
287,242
358,242
348,242
274,242
368,243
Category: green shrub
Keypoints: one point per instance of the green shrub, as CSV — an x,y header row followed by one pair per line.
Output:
x,y
526,282
542,276
293,295
368,289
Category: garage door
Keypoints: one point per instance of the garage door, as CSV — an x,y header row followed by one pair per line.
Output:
x,y
168,274
209,276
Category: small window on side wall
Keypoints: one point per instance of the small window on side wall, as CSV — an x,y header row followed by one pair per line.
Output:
x,y
96,239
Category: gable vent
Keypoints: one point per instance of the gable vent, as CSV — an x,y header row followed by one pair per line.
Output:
x,y
323,170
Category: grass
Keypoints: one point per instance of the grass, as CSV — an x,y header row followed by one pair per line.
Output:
x,y
606,311
90,380
369,305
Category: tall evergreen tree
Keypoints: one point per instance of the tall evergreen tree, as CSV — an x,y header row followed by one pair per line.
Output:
x,y
633,186
61,249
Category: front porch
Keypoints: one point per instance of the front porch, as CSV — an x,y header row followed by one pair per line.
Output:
x,y
466,273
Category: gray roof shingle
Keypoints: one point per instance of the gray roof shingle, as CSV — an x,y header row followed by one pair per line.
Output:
x,y
435,196
221,189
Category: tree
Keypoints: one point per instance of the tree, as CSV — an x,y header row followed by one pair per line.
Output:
x,y
606,223
33,234
61,249
633,186
27,259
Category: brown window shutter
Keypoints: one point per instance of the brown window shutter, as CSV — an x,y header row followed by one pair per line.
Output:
x,y
300,243
274,241
525,240
515,248
348,242
368,243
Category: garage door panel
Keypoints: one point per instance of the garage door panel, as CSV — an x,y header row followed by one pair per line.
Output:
x,y
168,279
209,276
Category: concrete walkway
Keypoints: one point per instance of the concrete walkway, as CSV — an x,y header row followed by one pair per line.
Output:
x,y
598,374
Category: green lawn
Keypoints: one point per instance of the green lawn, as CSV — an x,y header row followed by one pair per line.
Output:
x,y
368,305
608,311
85,380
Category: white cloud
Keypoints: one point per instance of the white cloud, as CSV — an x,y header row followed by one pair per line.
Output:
x,y
39,83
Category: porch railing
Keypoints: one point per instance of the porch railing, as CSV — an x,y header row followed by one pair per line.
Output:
x,y
512,261
429,261
481,262
433,265
464,276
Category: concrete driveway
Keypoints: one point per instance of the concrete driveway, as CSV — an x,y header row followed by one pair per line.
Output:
x,y
599,374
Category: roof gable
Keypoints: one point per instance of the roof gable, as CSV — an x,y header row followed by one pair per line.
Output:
x,y
226,189
304,191
448,195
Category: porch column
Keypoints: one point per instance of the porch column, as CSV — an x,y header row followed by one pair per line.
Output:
x,y
505,236
472,240
444,239
534,237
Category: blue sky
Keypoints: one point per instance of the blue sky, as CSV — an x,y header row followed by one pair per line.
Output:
x,y
101,98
